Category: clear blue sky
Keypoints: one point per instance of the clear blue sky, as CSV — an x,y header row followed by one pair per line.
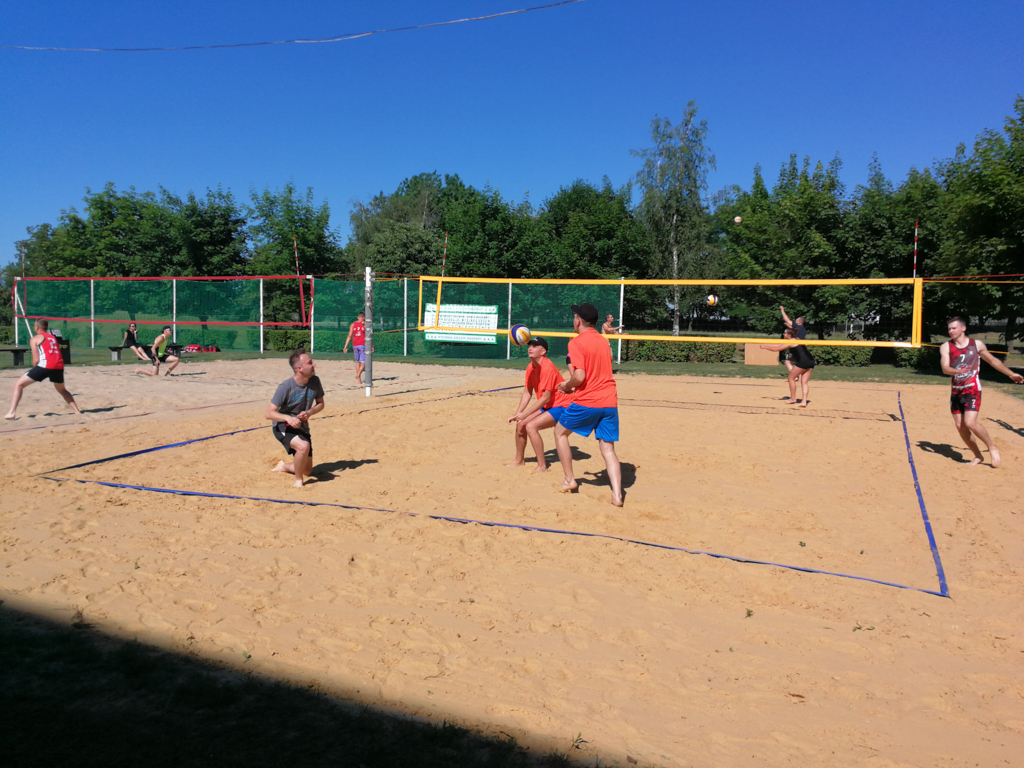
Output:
x,y
525,103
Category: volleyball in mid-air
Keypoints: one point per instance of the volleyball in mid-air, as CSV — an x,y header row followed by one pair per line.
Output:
x,y
520,335
737,220
712,300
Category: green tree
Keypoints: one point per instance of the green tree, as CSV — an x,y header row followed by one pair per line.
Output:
x,y
673,183
399,233
792,231
985,210
208,235
274,219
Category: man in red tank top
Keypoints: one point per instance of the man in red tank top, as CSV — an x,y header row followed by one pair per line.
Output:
x,y
357,336
46,364
961,358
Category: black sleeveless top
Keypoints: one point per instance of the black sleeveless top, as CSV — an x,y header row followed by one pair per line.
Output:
x,y
130,340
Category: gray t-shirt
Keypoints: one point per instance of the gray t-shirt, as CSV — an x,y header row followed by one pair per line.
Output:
x,y
799,331
292,398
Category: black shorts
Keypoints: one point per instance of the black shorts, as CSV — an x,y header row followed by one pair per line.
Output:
x,y
38,373
149,354
285,438
965,401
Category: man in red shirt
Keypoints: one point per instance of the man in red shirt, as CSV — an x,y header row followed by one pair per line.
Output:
x,y
595,406
961,358
357,335
46,364
542,379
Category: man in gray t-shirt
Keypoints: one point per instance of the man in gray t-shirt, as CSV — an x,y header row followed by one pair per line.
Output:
x,y
295,400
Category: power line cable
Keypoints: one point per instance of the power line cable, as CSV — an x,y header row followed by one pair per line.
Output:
x,y
336,39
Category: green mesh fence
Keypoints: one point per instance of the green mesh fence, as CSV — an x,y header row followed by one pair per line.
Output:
x,y
396,304
205,312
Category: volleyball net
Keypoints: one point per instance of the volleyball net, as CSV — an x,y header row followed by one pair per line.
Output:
x,y
229,313
469,318
835,313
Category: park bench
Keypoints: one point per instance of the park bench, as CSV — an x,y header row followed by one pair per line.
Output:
x,y
19,355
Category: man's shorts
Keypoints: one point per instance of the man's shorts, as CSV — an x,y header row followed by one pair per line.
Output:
x,y
359,353
603,422
965,401
38,373
556,412
149,354
285,438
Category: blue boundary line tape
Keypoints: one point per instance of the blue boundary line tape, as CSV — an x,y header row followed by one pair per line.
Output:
x,y
516,526
931,538
943,587
253,429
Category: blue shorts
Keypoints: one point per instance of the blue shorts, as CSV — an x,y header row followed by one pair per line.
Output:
x,y
360,353
556,413
603,422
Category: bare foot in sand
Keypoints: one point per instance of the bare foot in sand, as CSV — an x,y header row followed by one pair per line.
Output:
x,y
566,488
616,501
996,458
974,462
541,468
515,463
10,417
792,402
280,467
297,483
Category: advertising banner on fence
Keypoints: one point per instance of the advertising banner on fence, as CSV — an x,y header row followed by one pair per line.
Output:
x,y
474,316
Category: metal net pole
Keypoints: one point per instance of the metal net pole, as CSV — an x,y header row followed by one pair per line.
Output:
x,y
622,297
368,309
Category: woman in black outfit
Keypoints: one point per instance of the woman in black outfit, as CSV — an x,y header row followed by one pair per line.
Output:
x,y
803,365
131,342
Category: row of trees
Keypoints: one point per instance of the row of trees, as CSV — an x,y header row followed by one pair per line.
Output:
x,y
970,208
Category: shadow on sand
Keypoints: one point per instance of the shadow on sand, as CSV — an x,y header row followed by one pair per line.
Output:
x,y
1010,427
326,472
942,449
74,695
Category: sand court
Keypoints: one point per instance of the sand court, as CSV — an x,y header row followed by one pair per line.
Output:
x,y
647,651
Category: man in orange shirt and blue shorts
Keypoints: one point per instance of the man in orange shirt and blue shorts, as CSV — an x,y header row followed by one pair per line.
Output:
x,y
542,378
595,406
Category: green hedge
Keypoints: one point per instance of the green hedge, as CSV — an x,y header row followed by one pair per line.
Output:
x,y
924,358
6,334
846,357
224,338
677,352
286,341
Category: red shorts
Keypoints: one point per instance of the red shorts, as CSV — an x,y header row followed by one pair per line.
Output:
x,y
960,402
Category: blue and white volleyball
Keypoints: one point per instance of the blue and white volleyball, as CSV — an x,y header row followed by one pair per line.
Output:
x,y
712,300
520,335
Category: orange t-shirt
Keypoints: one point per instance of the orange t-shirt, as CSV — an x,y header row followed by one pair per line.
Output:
x,y
592,352
547,377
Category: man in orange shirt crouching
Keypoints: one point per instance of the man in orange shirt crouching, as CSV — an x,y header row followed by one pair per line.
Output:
x,y
542,378
595,406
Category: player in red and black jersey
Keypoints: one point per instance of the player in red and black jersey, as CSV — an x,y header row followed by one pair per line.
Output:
x,y
961,358
46,364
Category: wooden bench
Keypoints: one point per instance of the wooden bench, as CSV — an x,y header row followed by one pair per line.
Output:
x,y
19,355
